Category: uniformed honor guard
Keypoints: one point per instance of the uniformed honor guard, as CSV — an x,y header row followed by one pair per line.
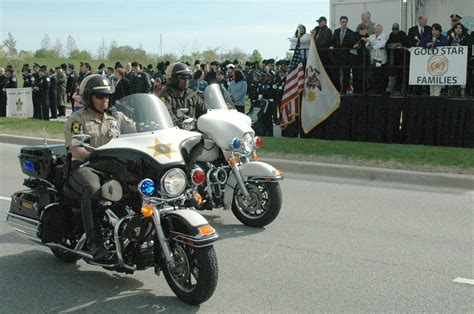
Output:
x,y
3,93
41,91
96,120
71,83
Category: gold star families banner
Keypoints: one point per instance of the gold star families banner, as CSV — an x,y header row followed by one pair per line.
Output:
x,y
320,97
19,102
438,66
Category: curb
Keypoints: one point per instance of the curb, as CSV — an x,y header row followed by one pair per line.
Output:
x,y
457,181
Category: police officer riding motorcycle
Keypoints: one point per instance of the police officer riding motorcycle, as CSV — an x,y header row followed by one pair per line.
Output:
x,y
177,95
115,207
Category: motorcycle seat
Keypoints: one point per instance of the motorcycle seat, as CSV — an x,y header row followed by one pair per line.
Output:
x,y
70,193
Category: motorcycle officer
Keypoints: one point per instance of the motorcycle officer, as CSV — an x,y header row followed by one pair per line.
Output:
x,y
102,124
177,94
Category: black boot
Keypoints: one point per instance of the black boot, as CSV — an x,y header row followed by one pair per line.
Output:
x,y
93,239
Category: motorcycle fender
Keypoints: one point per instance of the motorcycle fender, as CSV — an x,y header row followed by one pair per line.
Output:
x,y
254,170
191,228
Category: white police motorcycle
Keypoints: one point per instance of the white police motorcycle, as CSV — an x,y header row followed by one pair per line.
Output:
x,y
234,176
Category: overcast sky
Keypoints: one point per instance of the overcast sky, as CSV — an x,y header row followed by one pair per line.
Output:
x,y
184,24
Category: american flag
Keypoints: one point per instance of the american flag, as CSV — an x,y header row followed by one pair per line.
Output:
x,y
294,86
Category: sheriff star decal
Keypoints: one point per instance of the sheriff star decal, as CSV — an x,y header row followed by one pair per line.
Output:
x,y
161,149
76,127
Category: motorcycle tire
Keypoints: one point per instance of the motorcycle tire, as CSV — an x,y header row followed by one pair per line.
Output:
x,y
265,194
188,260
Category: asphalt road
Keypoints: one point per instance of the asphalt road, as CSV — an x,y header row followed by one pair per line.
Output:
x,y
338,245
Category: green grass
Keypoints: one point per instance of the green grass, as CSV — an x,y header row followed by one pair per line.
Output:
x,y
375,153
416,157
32,127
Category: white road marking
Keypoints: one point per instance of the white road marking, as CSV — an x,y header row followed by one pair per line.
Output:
x,y
3,198
464,280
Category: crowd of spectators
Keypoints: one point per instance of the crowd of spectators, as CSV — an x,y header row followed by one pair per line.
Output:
x,y
373,60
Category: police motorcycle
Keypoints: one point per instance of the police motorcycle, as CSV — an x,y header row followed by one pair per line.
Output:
x,y
234,177
144,179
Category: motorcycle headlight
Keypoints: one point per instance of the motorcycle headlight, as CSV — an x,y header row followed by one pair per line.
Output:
x,y
248,143
173,182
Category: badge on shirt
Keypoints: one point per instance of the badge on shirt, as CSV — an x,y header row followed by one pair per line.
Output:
x,y
76,127
47,79
13,79
115,123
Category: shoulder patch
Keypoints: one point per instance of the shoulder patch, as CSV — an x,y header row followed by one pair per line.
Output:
x,y
47,79
163,98
129,121
13,79
76,127
32,78
71,75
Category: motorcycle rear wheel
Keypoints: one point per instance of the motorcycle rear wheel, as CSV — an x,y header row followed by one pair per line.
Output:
x,y
194,278
264,206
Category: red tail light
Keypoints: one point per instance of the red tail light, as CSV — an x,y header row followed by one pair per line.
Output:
x,y
258,142
198,176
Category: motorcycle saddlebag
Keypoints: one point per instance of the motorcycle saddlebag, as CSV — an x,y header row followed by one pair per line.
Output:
x,y
42,161
29,203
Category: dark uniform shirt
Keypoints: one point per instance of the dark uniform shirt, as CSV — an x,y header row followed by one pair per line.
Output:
x,y
140,83
71,83
43,84
175,99
28,80
12,82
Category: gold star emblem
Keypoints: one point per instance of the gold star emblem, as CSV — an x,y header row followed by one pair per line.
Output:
x,y
161,149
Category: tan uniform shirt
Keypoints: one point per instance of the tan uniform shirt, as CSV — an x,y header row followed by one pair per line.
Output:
x,y
175,99
84,121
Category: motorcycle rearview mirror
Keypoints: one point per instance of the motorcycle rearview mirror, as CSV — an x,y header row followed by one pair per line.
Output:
x,y
181,113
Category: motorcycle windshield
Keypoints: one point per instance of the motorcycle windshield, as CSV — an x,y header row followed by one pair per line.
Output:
x,y
217,97
148,112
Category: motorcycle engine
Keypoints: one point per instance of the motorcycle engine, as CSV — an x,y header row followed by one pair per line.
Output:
x,y
137,229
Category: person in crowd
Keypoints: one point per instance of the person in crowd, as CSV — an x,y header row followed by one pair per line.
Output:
x,y
305,40
52,94
361,60
238,90
456,19
458,38
61,96
12,81
378,58
177,94
220,79
110,74
71,84
230,72
211,75
158,86
121,86
396,57
41,90
435,40
77,101
343,41
323,37
128,72
140,82
101,69
3,94
418,32
84,71
197,83
28,78
366,20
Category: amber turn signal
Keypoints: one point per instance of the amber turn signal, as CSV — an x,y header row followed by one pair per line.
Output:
x,y
206,230
147,210
233,160
255,157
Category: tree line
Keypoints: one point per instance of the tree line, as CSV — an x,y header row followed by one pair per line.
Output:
x,y
113,51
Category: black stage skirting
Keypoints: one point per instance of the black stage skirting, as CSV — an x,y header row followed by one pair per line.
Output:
x,y
421,120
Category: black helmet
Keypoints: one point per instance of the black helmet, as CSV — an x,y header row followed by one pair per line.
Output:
x,y
94,83
176,69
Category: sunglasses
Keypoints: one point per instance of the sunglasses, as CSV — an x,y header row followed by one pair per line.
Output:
x,y
183,77
101,96
395,29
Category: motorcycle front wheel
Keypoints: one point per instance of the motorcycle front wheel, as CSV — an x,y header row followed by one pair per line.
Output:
x,y
194,276
263,206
